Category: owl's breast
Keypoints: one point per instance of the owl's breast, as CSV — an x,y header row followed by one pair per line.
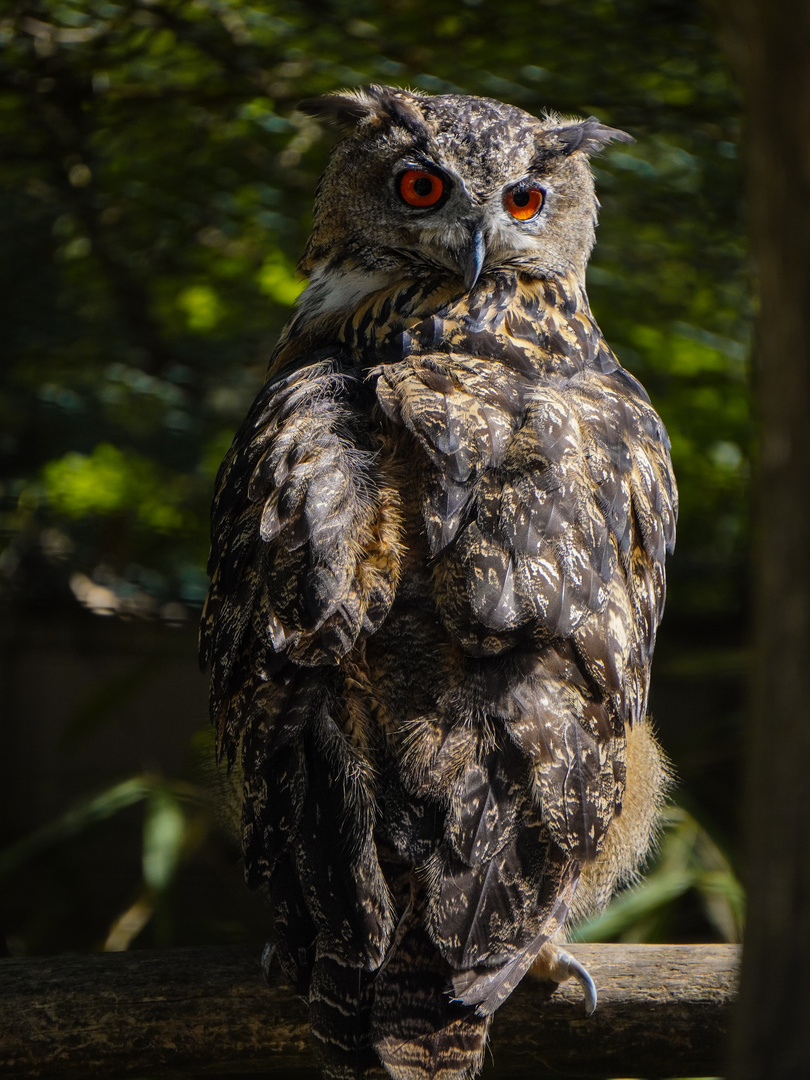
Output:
x,y
541,487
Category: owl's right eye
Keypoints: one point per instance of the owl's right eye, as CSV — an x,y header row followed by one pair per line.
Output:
x,y
420,188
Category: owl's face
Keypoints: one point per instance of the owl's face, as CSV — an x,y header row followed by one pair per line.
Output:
x,y
455,184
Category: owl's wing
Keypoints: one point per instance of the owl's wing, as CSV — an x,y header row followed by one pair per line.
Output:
x,y
548,505
304,555
304,561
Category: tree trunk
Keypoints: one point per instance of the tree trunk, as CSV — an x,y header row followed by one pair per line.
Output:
x,y
770,48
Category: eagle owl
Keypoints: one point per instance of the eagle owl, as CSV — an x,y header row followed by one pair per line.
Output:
x,y
437,571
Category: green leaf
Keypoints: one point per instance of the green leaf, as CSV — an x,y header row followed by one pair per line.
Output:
x,y
629,907
163,834
79,817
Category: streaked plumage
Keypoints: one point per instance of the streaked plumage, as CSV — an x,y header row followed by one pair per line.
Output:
x,y
437,574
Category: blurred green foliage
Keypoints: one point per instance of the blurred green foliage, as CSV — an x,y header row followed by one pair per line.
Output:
x,y
181,884
157,186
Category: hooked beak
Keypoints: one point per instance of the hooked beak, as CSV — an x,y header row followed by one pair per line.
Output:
x,y
471,258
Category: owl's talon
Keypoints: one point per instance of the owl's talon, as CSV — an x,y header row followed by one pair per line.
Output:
x,y
268,956
573,969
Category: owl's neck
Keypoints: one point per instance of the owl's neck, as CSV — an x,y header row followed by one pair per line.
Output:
x,y
527,323
509,315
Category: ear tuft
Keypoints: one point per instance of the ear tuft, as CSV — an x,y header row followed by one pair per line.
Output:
x,y
590,136
344,108
378,105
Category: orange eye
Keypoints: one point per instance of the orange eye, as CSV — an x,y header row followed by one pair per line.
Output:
x,y
523,201
420,188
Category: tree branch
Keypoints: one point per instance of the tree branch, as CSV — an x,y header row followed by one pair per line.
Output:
x,y
663,1011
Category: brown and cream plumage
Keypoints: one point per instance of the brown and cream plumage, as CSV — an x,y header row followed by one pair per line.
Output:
x,y
437,574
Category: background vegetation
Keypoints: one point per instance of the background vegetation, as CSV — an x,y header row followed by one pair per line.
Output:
x,y
156,183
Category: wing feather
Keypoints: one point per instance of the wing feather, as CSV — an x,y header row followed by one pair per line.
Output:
x,y
305,550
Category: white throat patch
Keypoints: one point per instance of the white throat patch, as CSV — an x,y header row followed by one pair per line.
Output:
x,y
335,290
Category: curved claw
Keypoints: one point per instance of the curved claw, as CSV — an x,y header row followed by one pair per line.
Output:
x,y
576,971
268,956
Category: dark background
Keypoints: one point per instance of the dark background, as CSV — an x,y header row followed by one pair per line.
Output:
x,y
156,186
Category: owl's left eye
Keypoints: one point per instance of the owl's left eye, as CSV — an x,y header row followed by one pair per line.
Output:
x,y
418,187
523,201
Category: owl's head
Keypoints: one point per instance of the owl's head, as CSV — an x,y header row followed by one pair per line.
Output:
x,y
449,183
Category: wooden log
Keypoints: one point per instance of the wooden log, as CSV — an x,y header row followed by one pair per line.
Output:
x,y
663,1011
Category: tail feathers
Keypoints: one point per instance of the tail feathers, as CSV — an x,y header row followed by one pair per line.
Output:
x,y
340,997
398,1023
456,1052
419,1031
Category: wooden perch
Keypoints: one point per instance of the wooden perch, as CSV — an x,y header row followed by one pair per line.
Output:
x,y
663,1011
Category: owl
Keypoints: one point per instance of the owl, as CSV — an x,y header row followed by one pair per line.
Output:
x,y
437,572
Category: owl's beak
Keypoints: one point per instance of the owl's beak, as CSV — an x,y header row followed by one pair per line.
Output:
x,y
472,258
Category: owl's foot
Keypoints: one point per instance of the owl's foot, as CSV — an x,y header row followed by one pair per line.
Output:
x,y
556,965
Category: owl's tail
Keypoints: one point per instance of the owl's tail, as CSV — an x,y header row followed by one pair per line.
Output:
x,y
400,1023
456,1052
419,1031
